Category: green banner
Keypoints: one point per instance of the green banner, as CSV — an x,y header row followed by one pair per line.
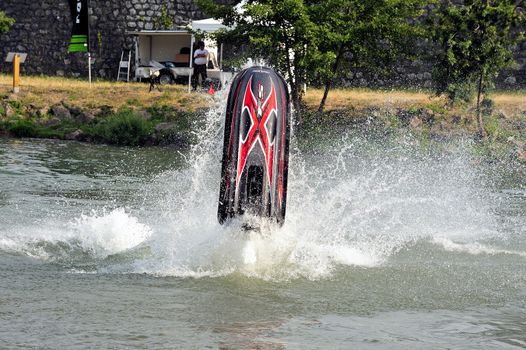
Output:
x,y
78,43
80,33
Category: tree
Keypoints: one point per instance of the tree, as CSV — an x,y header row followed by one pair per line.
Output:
x,y
310,41
477,40
366,35
5,22
281,32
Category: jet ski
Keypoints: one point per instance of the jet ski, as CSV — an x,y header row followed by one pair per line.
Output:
x,y
256,147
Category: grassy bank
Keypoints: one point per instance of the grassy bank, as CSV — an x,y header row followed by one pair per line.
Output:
x,y
108,112
127,114
428,119
46,91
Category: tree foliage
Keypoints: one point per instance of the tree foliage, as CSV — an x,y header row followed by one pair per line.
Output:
x,y
366,35
310,41
5,22
163,21
317,41
477,40
281,32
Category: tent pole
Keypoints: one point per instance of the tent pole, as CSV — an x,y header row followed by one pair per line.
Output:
x,y
221,77
191,62
136,44
221,58
89,45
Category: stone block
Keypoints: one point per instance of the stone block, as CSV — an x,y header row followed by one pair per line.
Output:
x,y
76,135
60,112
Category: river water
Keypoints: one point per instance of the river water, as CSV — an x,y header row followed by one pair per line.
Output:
x,y
386,245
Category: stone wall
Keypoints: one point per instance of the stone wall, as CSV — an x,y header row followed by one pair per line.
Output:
x,y
417,73
43,30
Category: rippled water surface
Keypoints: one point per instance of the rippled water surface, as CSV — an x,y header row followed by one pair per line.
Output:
x,y
386,244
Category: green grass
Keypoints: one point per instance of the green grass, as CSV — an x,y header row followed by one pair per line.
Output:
x,y
437,108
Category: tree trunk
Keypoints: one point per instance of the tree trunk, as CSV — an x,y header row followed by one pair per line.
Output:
x,y
325,94
328,82
480,122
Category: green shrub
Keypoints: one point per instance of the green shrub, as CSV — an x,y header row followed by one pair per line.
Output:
x,y
437,108
21,128
184,121
164,20
18,127
460,92
497,130
5,22
487,106
126,128
17,105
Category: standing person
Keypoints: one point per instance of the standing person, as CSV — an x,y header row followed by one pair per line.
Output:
x,y
200,61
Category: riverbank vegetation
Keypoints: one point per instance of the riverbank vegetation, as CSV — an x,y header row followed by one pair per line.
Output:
x,y
5,22
127,114
107,112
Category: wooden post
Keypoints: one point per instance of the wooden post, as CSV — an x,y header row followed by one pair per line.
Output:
x,y
16,73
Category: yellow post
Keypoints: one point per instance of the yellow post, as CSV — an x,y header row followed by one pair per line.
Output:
x,y
16,73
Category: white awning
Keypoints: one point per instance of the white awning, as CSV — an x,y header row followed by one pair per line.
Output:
x,y
160,32
208,25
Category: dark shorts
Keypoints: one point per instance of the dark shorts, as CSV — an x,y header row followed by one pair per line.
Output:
x,y
199,70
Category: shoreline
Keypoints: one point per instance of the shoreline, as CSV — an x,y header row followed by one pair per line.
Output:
x,y
127,114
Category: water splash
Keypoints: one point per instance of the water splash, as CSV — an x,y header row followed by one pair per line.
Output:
x,y
109,233
90,236
475,248
356,201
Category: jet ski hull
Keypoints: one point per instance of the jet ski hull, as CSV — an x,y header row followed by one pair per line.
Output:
x,y
256,146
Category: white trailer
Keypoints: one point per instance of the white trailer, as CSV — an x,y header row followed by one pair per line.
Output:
x,y
176,47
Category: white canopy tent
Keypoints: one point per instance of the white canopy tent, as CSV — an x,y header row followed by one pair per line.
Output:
x,y
208,25
165,45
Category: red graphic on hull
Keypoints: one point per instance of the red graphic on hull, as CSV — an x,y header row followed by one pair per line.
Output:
x,y
260,131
